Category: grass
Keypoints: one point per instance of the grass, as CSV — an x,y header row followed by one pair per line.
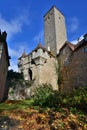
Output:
x,y
23,114
13,104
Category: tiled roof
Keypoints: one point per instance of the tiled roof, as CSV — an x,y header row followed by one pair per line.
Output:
x,y
40,46
72,46
23,55
78,45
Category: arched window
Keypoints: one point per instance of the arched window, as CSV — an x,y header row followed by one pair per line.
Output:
x,y
30,73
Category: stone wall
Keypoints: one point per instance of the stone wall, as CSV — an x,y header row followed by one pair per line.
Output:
x,y
19,89
3,71
73,68
45,73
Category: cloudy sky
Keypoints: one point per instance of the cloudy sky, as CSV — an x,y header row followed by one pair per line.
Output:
x,y
23,22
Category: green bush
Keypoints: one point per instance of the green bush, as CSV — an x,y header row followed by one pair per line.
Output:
x,y
46,97
42,94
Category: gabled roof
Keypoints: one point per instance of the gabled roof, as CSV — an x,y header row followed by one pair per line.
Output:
x,y
75,47
71,46
39,46
80,44
23,55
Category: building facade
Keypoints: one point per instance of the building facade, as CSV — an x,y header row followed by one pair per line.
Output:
x,y
73,65
39,66
41,63
4,63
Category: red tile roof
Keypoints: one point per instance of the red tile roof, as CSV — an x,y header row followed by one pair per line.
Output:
x,y
23,55
40,46
78,45
72,46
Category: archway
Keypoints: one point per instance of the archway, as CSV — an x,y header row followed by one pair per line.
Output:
x,y
30,73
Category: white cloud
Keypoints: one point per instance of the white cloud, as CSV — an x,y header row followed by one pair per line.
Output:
x,y
39,37
13,26
13,66
74,41
77,40
15,53
73,24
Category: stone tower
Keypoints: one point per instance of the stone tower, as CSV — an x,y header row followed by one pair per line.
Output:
x,y
54,30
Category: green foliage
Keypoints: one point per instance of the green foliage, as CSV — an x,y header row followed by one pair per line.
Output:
x,y
14,75
17,79
78,98
75,101
16,104
42,94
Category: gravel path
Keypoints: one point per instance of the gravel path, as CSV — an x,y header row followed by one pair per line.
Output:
x,y
8,124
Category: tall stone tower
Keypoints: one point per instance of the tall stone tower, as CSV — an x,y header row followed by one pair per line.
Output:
x,y
54,30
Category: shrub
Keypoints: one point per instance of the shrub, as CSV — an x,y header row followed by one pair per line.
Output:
x,y
42,94
46,97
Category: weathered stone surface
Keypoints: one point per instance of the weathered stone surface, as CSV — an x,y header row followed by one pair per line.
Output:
x,y
4,63
54,30
74,74
20,90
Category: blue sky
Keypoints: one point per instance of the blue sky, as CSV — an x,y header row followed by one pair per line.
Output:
x,y
23,21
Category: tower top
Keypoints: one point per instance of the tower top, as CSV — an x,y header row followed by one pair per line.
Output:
x,y
54,30
53,7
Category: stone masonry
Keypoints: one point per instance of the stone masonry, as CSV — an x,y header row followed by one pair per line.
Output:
x,y
73,65
40,66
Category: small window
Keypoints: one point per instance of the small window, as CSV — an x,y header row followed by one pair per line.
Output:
x,y
85,49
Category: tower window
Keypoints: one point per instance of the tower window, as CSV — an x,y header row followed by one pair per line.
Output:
x,y
48,16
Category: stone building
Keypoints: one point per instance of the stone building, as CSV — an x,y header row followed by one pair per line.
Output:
x,y
4,63
40,65
73,65
54,30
